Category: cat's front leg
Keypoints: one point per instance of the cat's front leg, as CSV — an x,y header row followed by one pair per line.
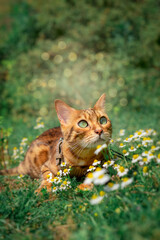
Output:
x,y
45,172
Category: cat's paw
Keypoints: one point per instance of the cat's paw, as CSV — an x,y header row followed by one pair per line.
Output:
x,y
44,184
85,187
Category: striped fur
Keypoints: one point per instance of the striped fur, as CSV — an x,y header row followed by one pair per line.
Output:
x,y
78,146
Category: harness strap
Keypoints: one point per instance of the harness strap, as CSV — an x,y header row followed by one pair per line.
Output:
x,y
59,154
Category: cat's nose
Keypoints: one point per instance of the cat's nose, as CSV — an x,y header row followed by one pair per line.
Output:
x,y
98,131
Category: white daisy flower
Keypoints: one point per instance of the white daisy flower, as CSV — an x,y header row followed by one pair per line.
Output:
x,y
126,181
121,145
122,132
127,140
55,189
145,171
158,158
66,171
108,163
100,148
145,153
144,161
125,153
102,179
91,168
136,158
132,149
96,162
116,166
150,156
59,173
99,171
39,125
97,199
63,164
139,134
154,148
111,187
121,171
118,139
89,178
111,141
21,176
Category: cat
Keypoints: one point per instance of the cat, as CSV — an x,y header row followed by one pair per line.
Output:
x,y
74,142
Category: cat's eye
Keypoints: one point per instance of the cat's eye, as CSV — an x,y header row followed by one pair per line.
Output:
x,y
103,120
83,124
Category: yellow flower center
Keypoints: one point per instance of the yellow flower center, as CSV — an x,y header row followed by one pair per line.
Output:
x,y
131,136
65,170
98,169
101,176
132,148
108,162
99,146
95,161
121,144
90,175
135,156
159,155
65,182
125,179
102,193
145,169
110,184
121,169
144,159
124,151
94,196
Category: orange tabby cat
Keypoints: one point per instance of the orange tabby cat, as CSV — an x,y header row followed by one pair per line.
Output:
x,y
81,130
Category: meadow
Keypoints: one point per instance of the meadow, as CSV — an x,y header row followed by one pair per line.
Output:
x,y
75,51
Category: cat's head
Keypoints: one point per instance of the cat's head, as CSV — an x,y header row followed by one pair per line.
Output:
x,y
87,128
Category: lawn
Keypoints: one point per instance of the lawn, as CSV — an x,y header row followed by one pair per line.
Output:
x,y
76,51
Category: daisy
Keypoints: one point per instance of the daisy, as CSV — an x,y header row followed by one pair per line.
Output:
x,y
154,148
136,158
59,173
158,158
91,168
108,163
122,132
126,181
125,153
66,171
116,166
89,178
97,199
111,141
139,133
145,171
96,162
144,154
132,149
144,161
99,171
63,164
20,176
55,189
102,179
150,156
122,145
122,171
100,148
39,125
111,187
127,140
118,139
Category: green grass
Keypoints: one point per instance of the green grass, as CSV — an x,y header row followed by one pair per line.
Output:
x,y
129,213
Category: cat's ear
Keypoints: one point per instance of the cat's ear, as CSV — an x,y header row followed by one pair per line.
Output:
x,y
100,104
64,112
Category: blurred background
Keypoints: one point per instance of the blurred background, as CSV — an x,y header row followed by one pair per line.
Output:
x,y
75,51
